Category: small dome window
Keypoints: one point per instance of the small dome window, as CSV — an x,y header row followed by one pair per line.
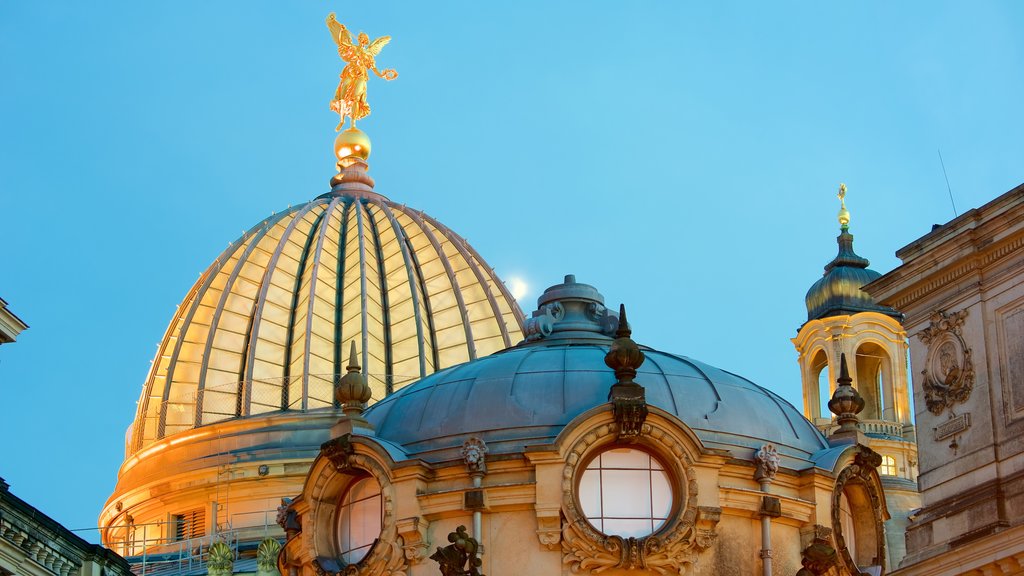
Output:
x,y
625,492
360,519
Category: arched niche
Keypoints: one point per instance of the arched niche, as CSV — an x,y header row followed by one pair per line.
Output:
x,y
874,381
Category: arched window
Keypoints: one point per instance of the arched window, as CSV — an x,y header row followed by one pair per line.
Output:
x,y
874,382
819,366
625,492
359,520
888,467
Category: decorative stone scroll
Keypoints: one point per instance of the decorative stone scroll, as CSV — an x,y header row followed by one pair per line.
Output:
x,y
669,551
413,532
949,370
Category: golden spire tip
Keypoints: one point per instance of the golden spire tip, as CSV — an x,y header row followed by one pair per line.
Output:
x,y
844,214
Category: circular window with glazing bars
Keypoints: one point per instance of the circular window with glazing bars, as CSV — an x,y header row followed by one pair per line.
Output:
x,y
625,491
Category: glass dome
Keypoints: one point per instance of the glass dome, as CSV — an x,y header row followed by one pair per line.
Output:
x,y
266,327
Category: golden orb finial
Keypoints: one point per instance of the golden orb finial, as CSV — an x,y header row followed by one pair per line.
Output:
x,y
350,144
844,214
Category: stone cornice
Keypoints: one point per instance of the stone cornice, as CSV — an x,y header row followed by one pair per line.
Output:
x,y
10,325
917,279
49,544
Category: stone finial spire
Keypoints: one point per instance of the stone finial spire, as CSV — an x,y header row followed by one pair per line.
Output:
x,y
628,398
846,402
351,390
624,356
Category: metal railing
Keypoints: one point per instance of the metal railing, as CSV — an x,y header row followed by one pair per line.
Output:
x,y
155,547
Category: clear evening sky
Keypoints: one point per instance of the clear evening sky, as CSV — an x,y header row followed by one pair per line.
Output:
x,y
681,157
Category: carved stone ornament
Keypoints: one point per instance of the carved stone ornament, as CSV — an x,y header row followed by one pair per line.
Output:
x,y
474,453
767,461
861,472
387,556
413,532
818,558
672,548
220,559
339,451
266,556
460,557
287,518
949,370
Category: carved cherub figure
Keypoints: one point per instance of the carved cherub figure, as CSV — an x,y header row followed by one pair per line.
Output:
x,y
350,97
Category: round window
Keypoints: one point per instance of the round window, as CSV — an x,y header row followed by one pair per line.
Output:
x,y
360,519
625,492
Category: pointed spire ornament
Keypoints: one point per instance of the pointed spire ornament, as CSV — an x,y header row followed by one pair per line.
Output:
x,y
846,401
351,391
629,401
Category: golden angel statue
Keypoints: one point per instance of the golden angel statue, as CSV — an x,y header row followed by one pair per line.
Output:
x,y
350,98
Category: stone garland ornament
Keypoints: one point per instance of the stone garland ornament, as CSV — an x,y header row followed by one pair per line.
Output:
x,y
460,557
949,370
669,551
865,461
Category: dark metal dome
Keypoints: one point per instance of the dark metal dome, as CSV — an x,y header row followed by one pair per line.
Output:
x,y
527,394
839,292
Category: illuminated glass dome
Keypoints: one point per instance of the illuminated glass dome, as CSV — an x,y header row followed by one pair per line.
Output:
x,y
266,328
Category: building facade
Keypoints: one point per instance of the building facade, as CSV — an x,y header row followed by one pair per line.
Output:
x,y
33,544
580,452
961,288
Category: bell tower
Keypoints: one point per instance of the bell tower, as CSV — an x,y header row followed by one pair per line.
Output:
x,y
843,320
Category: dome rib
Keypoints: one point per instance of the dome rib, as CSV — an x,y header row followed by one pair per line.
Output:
x,y
421,284
385,308
460,245
255,338
190,334
289,348
215,323
311,302
411,270
453,280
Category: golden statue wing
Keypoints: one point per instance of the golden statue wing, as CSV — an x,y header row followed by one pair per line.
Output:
x,y
377,45
339,33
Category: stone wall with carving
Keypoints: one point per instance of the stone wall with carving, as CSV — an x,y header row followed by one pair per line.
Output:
x,y
961,288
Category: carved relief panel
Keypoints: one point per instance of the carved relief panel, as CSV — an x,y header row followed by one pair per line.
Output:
x,y
949,369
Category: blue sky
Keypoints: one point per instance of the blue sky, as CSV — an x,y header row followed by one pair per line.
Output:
x,y
681,157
